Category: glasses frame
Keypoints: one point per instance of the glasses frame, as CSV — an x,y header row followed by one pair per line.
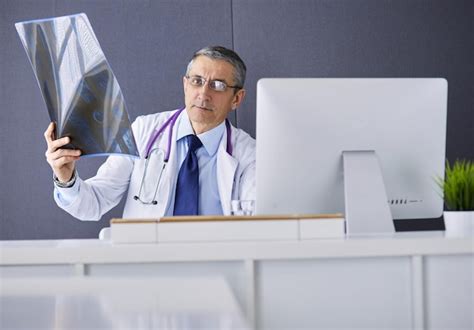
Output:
x,y
204,80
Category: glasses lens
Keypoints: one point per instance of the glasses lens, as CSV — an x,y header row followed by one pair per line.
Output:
x,y
218,85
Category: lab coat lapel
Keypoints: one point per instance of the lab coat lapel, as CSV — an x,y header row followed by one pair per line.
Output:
x,y
226,167
170,174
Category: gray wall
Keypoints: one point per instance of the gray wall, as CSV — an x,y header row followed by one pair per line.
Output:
x,y
148,44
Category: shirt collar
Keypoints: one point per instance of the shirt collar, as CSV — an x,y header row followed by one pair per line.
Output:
x,y
210,139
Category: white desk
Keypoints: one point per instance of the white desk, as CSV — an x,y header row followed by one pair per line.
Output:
x,y
113,303
413,280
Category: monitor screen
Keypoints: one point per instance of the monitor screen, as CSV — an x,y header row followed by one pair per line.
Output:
x,y
305,124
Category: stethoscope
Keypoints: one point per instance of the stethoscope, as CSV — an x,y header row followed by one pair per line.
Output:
x,y
170,125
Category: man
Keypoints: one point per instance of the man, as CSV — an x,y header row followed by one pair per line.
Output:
x,y
200,176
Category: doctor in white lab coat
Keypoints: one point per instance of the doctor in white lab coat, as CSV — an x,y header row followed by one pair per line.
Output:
x,y
213,87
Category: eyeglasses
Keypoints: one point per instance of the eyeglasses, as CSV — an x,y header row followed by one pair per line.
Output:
x,y
216,85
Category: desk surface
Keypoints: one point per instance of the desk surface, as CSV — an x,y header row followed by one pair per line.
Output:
x,y
97,251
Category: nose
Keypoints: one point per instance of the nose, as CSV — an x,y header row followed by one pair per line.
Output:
x,y
204,91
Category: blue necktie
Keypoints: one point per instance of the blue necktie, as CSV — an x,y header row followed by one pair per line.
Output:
x,y
187,188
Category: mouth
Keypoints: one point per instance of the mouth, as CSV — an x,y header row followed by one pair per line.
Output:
x,y
202,108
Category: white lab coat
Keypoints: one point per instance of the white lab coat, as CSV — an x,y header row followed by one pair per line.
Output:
x,y
97,195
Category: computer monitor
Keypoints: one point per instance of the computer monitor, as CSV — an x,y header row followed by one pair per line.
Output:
x,y
366,147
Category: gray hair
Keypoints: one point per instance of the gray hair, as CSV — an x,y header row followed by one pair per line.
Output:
x,y
225,54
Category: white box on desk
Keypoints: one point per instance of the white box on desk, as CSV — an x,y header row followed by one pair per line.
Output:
x,y
224,228
133,231
207,231
322,228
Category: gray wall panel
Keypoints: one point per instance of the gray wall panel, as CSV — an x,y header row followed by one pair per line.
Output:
x,y
25,176
148,44
362,38
3,83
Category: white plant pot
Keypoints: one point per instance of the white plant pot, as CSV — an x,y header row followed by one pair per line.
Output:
x,y
459,223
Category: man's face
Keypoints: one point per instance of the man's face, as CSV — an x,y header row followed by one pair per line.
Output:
x,y
206,107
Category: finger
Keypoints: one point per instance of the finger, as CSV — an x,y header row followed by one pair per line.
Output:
x,y
53,157
60,162
56,144
48,134
59,153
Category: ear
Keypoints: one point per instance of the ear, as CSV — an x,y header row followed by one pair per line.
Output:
x,y
238,98
184,84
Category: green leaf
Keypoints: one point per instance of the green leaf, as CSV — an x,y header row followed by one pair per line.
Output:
x,y
458,185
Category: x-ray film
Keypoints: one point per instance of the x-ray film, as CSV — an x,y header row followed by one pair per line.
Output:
x,y
79,88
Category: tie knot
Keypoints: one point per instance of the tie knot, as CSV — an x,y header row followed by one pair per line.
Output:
x,y
193,142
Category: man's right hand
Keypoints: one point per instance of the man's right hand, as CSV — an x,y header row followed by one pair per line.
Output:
x,y
62,161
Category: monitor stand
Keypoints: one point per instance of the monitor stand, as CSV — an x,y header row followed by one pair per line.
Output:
x,y
366,204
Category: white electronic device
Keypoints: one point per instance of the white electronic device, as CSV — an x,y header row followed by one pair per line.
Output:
x,y
390,134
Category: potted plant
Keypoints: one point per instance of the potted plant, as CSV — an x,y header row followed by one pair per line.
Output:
x,y
458,192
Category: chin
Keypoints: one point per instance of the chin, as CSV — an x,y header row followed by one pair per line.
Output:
x,y
200,115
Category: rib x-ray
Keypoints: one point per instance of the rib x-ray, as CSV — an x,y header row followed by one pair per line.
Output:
x,y
79,88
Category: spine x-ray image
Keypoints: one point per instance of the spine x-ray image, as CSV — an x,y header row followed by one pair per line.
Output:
x,y
79,88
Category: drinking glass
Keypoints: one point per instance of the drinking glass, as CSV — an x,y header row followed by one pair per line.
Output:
x,y
242,207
